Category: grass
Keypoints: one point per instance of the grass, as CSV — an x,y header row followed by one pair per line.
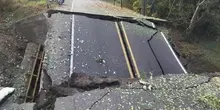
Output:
x,y
211,52
37,3
211,100
204,56
15,10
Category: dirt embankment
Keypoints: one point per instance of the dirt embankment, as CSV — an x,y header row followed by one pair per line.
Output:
x,y
202,56
12,46
13,41
12,49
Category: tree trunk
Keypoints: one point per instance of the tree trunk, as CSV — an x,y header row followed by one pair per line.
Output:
x,y
189,29
195,13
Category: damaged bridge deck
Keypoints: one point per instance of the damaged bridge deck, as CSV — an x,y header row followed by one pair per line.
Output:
x,y
107,46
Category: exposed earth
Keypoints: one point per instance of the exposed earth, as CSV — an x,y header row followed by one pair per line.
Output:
x,y
12,48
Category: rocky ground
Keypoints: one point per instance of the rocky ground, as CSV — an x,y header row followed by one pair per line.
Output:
x,y
183,91
12,49
13,43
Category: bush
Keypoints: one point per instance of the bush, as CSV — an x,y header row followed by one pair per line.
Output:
x,y
207,27
207,23
6,5
136,6
179,13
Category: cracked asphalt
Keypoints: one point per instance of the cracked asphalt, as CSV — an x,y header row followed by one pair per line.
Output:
x,y
97,49
168,92
104,47
57,48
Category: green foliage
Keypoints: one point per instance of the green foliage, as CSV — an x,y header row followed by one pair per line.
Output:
x,y
207,27
162,8
13,5
136,5
211,100
181,17
6,5
13,10
207,24
179,12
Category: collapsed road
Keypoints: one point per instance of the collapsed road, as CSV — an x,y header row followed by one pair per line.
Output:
x,y
104,45
122,49
108,46
92,53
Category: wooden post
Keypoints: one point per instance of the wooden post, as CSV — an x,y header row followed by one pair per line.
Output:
x,y
114,2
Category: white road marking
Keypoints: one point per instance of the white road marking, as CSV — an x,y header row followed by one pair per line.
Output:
x,y
173,53
72,42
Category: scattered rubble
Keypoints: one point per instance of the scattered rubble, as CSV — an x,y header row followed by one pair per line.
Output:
x,y
166,92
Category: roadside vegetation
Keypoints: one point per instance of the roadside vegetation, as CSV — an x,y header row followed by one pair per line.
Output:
x,y
194,28
13,10
211,100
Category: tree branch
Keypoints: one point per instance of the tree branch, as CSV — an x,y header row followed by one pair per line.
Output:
x,y
195,13
171,8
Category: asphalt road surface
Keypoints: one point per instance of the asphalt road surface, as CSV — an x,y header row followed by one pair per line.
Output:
x,y
97,48
137,37
107,48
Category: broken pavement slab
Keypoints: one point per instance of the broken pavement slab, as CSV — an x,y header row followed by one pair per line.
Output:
x,y
94,6
185,91
57,48
28,61
169,92
33,28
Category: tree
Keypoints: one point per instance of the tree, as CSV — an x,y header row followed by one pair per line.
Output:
x,y
195,13
204,23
